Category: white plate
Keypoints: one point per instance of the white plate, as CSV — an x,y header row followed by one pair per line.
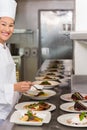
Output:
x,y
67,97
49,93
21,106
53,84
15,118
69,107
40,78
69,117
48,73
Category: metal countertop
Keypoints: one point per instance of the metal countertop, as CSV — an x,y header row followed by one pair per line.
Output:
x,y
53,125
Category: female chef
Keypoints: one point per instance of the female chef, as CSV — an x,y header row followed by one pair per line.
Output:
x,y
9,88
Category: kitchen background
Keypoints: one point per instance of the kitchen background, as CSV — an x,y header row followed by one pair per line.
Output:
x,y
36,39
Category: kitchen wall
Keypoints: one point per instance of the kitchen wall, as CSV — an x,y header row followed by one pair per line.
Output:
x,y
27,18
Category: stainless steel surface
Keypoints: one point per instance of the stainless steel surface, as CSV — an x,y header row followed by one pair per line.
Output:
x,y
53,125
54,35
79,83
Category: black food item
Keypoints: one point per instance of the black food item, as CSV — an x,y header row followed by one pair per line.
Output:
x,y
79,106
77,96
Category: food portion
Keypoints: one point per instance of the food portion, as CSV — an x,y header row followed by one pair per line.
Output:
x,y
82,116
61,76
78,106
79,119
40,106
45,83
51,74
30,116
47,77
41,93
77,96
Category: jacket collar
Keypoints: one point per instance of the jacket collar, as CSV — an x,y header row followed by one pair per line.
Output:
x,y
3,45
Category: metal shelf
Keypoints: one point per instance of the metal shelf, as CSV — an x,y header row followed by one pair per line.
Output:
x,y
78,35
27,31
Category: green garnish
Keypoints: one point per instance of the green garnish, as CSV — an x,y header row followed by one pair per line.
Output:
x,y
41,102
82,115
45,83
30,115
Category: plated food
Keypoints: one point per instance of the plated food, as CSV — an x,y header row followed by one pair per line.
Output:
x,y
46,77
77,106
46,73
30,116
45,94
68,97
47,83
36,106
24,117
73,120
77,96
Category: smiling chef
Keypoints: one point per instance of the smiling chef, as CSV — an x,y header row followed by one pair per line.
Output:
x,y
9,88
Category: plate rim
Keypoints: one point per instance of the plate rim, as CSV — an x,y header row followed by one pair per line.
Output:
x,y
48,86
69,94
15,113
62,106
42,98
31,102
63,116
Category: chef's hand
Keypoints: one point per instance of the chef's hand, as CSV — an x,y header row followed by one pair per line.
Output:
x,y
22,86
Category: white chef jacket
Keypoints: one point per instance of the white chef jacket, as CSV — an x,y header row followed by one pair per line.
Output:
x,y
7,79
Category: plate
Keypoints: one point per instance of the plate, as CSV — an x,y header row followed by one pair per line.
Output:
x,y
15,118
53,84
46,77
67,97
48,94
69,107
45,73
67,119
21,106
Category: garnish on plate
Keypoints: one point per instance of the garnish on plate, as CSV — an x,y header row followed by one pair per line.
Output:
x,y
41,105
42,93
78,119
82,115
30,116
45,83
85,97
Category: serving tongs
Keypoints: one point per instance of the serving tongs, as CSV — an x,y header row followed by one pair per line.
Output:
x,y
38,89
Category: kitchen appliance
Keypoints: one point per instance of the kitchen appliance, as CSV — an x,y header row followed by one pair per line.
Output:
x,y
54,32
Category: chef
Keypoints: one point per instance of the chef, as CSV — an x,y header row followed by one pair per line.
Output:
x,y
9,89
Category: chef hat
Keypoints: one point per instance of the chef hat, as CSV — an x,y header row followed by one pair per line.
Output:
x,y
8,8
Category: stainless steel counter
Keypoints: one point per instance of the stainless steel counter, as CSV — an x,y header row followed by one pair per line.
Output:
x,y
53,125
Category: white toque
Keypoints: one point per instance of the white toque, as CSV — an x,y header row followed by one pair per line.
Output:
x,y
8,8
